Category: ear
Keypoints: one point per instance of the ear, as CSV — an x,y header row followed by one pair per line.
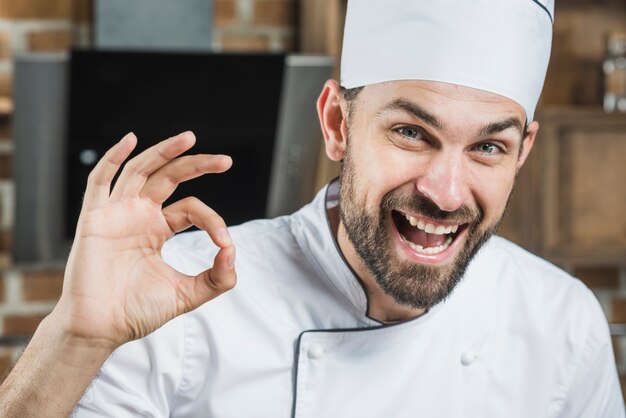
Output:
x,y
527,143
332,120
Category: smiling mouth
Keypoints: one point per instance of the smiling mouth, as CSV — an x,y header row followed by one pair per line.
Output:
x,y
424,236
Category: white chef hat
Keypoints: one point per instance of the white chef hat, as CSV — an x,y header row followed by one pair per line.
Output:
x,y
500,46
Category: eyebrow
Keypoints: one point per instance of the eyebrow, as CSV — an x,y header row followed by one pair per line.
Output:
x,y
496,127
421,113
415,110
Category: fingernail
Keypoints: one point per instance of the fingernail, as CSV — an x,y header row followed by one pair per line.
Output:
x,y
231,259
224,236
128,135
208,162
223,157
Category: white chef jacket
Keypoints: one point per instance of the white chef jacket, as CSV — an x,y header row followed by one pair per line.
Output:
x,y
517,338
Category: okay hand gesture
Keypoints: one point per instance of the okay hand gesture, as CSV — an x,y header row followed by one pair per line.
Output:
x,y
117,288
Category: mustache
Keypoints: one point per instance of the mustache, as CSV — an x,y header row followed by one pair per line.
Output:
x,y
419,204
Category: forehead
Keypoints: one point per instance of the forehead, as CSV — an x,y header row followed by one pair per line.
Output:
x,y
448,102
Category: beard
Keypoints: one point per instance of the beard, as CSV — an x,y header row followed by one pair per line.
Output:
x,y
409,283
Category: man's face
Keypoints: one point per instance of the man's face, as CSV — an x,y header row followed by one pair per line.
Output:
x,y
427,173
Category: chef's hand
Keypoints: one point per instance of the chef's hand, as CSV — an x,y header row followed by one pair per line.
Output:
x,y
117,288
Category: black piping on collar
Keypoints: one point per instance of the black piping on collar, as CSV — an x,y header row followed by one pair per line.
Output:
x,y
545,9
356,276
296,358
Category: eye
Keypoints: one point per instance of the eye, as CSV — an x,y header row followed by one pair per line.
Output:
x,y
409,131
488,148
410,137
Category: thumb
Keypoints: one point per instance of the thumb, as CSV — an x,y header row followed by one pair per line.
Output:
x,y
212,282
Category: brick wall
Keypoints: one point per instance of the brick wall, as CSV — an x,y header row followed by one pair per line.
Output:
x,y
28,293
262,25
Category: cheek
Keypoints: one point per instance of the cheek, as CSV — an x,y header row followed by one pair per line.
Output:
x,y
383,169
492,192
372,164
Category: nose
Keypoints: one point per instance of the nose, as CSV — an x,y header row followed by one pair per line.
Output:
x,y
446,181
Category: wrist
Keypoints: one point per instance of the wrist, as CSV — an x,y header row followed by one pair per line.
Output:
x,y
72,345
53,372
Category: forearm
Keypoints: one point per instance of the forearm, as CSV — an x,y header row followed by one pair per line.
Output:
x,y
51,375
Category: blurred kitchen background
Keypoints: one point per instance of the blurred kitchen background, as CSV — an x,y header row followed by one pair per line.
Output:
x,y
570,198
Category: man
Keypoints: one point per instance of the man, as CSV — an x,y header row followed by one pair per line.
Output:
x,y
385,297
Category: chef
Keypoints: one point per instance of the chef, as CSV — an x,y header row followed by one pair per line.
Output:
x,y
387,296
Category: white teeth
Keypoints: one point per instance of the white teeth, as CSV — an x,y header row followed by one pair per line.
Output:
x,y
430,228
429,250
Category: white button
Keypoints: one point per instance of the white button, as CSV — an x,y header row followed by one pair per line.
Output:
x,y
316,351
468,358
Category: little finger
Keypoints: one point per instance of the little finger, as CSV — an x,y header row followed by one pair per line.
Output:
x,y
136,171
100,178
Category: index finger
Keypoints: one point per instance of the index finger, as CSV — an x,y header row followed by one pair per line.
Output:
x,y
190,211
